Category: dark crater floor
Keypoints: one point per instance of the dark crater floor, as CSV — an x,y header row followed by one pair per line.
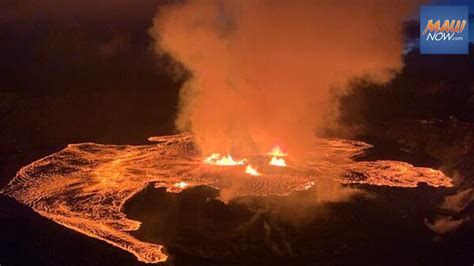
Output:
x,y
388,227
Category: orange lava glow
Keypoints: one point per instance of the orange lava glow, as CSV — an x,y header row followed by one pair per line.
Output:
x,y
276,151
277,162
251,171
85,186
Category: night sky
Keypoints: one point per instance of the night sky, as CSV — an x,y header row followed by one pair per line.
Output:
x,y
86,62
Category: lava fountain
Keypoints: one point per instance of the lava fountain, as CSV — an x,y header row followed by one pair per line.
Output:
x,y
251,171
277,151
227,160
277,162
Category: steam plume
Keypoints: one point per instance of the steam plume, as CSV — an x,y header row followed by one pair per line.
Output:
x,y
263,72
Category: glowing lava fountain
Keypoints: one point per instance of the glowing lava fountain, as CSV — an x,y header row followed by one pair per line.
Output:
x,y
277,162
276,151
251,171
227,160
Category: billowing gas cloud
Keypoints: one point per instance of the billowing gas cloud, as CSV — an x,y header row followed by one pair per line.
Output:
x,y
264,72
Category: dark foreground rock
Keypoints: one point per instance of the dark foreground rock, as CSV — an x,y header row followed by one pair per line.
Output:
x,y
26,238
386,228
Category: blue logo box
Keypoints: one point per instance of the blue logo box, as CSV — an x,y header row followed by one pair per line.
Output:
x,y
444,30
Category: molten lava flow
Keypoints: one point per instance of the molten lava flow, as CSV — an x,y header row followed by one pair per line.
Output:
x,y
85,186
276,151
251,171
212,159
277,162
228,160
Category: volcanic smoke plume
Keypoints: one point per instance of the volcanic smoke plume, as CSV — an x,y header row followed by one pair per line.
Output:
x,y
264,72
